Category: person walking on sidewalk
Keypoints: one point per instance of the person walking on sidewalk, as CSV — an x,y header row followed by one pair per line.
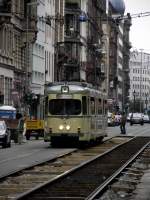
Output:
x,y
123,120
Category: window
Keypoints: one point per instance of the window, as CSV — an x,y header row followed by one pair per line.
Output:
x,y
99,106
84,105
65,107
105,106
92,105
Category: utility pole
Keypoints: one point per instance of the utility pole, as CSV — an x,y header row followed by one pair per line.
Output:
x,y
146,101
134,93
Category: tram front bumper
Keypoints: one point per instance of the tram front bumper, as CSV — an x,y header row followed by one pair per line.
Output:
x,y
64,138
60,136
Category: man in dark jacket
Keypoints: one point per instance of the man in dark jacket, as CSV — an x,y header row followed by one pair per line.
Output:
x,y
123,123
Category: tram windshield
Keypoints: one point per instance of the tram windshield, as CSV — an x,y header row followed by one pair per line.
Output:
x,y
65,107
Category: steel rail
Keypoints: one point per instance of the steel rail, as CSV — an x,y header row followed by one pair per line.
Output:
x,y
46,160
49,170
36,164
104,186
65,174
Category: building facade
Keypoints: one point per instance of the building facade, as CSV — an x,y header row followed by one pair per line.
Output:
x,y
17,30
118,56
78,55
42,56
126,60
26,53
63,40
140,79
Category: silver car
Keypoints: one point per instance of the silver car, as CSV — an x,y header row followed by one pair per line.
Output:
x,y
146,118
136,118
5,137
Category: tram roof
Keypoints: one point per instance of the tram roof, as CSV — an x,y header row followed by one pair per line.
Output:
x,y
74,87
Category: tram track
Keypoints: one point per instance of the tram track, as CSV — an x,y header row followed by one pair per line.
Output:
x,y
131,183
26,179
83,181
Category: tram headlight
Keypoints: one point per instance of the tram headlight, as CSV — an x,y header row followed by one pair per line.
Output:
x,y
68,127
61,127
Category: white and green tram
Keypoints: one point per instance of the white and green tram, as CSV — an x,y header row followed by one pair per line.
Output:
x,y
74,112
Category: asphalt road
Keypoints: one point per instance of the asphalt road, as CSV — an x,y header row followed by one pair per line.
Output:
x,y
27,154
134,130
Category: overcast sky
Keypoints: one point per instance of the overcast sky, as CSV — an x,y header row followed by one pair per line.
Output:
x,y
140,29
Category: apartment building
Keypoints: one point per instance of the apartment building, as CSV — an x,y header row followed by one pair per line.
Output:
x,y
119,52
78,55
126,58
63,40
140,79
16,21
26,53
42,55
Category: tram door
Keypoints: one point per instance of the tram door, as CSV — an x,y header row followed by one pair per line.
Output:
x,y
99,115
93,113
104,113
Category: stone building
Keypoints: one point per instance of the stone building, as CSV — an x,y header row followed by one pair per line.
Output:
x,y
43,55
94,46
63,40
79,44
119,53
139,80
126,61
17,31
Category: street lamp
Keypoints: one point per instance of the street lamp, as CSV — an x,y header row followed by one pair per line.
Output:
x,y
134,93
141,80
146,102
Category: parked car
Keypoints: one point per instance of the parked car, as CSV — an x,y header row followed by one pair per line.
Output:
x,y
35,128
128,117
146,118
136,118
5,135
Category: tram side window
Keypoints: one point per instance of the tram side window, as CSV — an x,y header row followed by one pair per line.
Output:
x,y
84,105
92,105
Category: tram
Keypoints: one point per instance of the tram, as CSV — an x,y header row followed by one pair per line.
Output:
x,y
74,112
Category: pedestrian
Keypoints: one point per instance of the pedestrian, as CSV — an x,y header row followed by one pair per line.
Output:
x,y
20,129
24,131
123,120
18,115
